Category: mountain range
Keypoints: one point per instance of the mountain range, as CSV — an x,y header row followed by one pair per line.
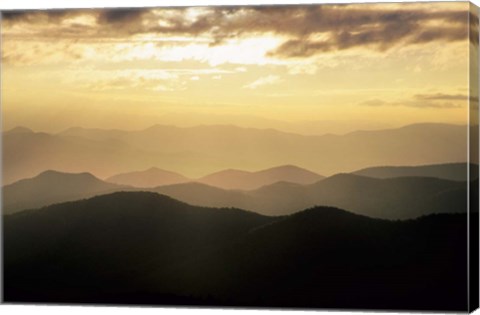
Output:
x,y
151,177
149,249
450,171
390,198
243,180
395,198
226,179
51,187
196,151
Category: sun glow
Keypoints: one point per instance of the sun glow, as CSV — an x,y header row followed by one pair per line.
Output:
x,y
234,62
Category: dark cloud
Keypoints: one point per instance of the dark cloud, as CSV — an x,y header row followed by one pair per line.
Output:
x,y
301,48
15,15
115,16
443,33
378,27
39,16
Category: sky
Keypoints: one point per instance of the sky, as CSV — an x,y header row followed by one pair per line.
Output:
x,y
286,67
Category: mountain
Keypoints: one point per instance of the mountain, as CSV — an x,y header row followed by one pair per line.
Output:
x,y
451,171
236,179
318,256
226,179
148,249
108,242
18,130
196,151
208,196
305,127
53,187
395,198
27,154
151,177
391,198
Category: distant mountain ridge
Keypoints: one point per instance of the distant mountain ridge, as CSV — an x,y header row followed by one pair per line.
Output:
x,y
149,178
226,179
19,130
451,171
53,187
392,198
201,150
236,179
396,198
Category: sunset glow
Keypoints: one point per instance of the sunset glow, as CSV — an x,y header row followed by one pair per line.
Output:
x,y
369,65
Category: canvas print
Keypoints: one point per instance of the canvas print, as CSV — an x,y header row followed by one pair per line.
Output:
x,y
318,156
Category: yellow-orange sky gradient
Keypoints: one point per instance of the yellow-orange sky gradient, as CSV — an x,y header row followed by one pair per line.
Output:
x,y
360,65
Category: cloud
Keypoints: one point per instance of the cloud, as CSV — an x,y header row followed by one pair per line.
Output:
x,y
120,15
374,103
378,30
139,80
38,16
267,80
440,101
307,30
441,97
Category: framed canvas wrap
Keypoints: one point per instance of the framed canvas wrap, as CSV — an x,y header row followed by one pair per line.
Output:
x,y
320,156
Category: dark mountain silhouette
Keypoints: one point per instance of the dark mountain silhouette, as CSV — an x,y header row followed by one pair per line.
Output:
x,y
320,256
144,248
451,171
236,179
196,151
151,177
97,244
53,187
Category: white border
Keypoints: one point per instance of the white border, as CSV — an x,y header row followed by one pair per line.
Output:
x,y
96,310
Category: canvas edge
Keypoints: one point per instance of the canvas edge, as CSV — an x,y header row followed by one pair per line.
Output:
x,y
473,158
1,163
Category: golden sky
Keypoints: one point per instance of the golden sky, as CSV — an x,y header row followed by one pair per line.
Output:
x,y
361,64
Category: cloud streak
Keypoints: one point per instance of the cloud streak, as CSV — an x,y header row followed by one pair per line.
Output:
x,y
441,97
267,80
439,101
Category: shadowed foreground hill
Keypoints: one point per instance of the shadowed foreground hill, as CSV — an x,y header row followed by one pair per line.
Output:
x,y
144,248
